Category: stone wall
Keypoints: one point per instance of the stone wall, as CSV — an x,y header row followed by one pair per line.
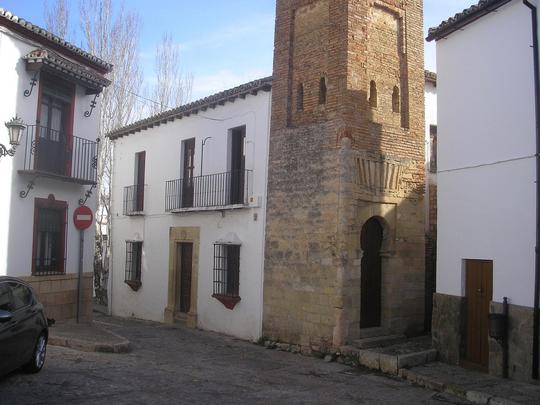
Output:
x,y
520,338
449,334
58,294
335,164
448,326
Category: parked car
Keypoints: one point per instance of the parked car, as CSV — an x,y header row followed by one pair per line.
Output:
x,y
23,328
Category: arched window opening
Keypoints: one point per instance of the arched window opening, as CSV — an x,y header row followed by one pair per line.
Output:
x,y
395,100
300,98
322,91
373,98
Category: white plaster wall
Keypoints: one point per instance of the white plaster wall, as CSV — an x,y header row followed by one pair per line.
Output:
x,y
16,220
163,162
485,116
430,97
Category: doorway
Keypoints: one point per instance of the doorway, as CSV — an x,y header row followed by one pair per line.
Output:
x,y
184,260
370,299
478,295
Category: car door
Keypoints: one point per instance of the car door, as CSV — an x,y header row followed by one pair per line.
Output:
x,y
25,328
8,337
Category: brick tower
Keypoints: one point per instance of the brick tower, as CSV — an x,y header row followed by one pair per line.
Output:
x,y
345,217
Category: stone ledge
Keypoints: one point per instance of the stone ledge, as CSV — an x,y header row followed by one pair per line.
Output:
x,y
478,392
87,338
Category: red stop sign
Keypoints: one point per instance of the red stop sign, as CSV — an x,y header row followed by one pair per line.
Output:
x,y
83,218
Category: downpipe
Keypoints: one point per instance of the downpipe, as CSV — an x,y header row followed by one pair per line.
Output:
x,y
535,348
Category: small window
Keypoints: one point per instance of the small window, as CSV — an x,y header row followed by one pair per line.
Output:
x,y
300,98
322,91
21,295
133,264
373,97
227,274
395,100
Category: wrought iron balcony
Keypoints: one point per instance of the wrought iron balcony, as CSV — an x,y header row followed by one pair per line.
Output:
x,y
209,191
52,153
134,200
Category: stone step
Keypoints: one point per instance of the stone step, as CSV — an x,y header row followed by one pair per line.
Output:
x,y
378,341
391,359
374,332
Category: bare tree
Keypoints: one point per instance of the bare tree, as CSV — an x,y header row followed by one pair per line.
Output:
x,y
172,87
57,18
112,35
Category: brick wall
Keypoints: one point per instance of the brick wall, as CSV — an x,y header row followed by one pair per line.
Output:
x,y
333,166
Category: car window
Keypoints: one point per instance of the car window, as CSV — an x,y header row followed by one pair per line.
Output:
x,y
21,296
5,297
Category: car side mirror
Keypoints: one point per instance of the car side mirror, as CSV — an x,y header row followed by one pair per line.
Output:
x,y
5,316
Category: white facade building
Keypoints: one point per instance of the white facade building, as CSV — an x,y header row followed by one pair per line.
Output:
x,y
486,184
49,84
188,233
156,222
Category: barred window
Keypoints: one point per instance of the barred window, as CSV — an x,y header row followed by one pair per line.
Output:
x,y
133,264
227,274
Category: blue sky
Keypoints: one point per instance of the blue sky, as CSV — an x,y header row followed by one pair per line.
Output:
x,y
224,42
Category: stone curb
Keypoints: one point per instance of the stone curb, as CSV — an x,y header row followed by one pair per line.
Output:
x,y
476,397
85,346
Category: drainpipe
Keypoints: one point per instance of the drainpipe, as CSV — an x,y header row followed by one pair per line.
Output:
x,y
535,348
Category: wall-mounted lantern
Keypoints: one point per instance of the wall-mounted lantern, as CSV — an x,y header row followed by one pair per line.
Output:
x,y
15,130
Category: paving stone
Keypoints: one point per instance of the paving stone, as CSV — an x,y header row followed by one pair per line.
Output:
x,y
173,364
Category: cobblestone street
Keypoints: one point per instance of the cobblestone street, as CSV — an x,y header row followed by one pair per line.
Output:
x,y
171,364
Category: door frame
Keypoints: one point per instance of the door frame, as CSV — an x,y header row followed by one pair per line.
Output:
x,y
172,312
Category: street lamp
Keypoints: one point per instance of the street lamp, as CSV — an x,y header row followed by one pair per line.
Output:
x,y
15,130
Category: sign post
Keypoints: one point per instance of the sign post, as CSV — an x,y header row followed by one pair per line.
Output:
x,y
83,219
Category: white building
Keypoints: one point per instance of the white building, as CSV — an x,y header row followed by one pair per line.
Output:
x,y
51,85
206,215
487,191
187,225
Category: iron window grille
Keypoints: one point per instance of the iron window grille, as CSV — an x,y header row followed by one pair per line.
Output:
x,y
133,200
227,274
133,264
211,190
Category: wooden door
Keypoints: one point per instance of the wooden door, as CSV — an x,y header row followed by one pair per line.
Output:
x,y
187,172
184,269
370,305
479,293
237,166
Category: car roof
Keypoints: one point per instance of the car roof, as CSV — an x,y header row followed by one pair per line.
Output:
x,y
13,279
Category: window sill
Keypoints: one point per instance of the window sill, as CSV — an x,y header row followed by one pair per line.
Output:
x,y
133,284
135,214
228,302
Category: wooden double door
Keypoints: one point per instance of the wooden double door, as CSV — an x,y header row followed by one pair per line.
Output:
x,y
478,295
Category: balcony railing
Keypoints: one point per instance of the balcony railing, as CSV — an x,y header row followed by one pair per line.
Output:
x,y
56,154
134,200
213,190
